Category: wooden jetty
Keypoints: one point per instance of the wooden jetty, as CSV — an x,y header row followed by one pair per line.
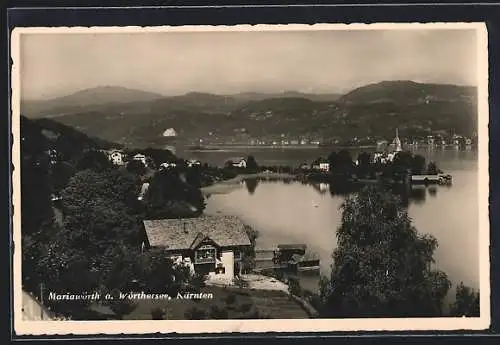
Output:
x,y
442,179
287,256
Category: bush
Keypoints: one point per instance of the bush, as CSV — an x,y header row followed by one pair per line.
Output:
x,y
255,314
158,313
231,299
195,313
245,307
218,313
294,286
197,282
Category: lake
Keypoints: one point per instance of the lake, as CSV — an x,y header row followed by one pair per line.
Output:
x,y
300,213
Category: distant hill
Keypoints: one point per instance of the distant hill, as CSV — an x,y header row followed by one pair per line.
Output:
x,y
407,93
94,97
42,134
255,96
370,111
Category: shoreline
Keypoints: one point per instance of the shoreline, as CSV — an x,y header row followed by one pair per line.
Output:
x,y
236,148
226,186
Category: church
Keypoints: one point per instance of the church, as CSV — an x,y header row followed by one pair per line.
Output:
x,y
388,155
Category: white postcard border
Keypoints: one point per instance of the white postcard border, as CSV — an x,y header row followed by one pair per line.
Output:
x,y
23,327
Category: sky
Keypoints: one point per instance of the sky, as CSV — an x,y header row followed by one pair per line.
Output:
x,y
173,63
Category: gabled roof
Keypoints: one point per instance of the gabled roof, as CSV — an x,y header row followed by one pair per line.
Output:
x,y
199,240
179,234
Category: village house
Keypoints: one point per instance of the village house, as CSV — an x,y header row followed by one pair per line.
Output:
x,y
211,245
53,155
304,166
321,165
140,157
116,157
168,165
193,163
238,162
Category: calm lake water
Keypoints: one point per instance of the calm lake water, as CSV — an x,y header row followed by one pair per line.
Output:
x,y
298,213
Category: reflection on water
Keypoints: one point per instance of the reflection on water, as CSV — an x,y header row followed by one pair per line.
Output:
x,y
302,213
251,185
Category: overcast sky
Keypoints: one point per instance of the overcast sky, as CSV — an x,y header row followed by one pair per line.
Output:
x,y
173,63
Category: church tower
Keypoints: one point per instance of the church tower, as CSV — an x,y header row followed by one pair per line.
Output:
x,y
397,143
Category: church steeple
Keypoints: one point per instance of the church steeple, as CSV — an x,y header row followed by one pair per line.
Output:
x,y
396,142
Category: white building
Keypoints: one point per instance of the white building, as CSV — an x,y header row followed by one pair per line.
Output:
x,y
116,157
213,245
238,162
140,157
322,165
193,163
170,132
167,165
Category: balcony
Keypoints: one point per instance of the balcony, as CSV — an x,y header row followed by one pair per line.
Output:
x,y
205,256
204,260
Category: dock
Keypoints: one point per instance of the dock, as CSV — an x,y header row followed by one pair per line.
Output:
x,y
287,256
442,179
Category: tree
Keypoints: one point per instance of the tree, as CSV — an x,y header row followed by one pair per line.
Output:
x,y
169,197
136,167
94,160
333,160
36,203
248,255
418,165
364,163
95,250
432,168
159,156
37,216
401,165
344,163
382,264
158,313
466,302
193,176
60,174
252,164
121,307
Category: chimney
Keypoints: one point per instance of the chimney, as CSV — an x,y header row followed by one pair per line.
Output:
x,y
184,227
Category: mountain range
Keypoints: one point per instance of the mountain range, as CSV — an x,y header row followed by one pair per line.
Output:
x,y
139,118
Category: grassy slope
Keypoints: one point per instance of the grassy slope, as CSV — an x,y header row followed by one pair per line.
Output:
x,y
276,304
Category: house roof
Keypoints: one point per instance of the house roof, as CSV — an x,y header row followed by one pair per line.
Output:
x,y
178,234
